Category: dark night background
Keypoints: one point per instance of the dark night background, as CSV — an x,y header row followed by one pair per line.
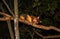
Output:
x,y
49,10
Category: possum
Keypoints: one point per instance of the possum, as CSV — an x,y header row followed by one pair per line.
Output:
x,y
36,20
29,18
22,17
32,19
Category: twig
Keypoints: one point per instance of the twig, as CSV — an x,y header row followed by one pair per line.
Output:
x,y
46,37
38,34
8,7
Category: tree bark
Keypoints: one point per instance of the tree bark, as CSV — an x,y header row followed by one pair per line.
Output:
x,y
16,28
10,29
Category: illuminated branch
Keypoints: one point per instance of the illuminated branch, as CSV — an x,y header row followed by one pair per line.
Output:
x,y
41,26
34,25
4,14
4,19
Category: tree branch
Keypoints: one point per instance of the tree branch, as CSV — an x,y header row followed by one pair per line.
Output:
x,y
4,14
8,7
46,37
53,36
10,29
38,34
40,26
26,22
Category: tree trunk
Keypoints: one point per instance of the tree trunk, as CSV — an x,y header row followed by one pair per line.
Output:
x,y
16,28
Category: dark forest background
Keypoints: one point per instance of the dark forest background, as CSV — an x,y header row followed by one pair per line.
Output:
x,y
48,10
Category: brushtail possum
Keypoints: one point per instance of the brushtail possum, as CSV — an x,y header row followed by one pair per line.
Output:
x,y
32,19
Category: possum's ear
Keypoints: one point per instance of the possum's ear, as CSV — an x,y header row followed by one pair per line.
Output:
x,y
38,17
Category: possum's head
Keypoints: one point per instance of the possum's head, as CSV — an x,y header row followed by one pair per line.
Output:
x,y
39,19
